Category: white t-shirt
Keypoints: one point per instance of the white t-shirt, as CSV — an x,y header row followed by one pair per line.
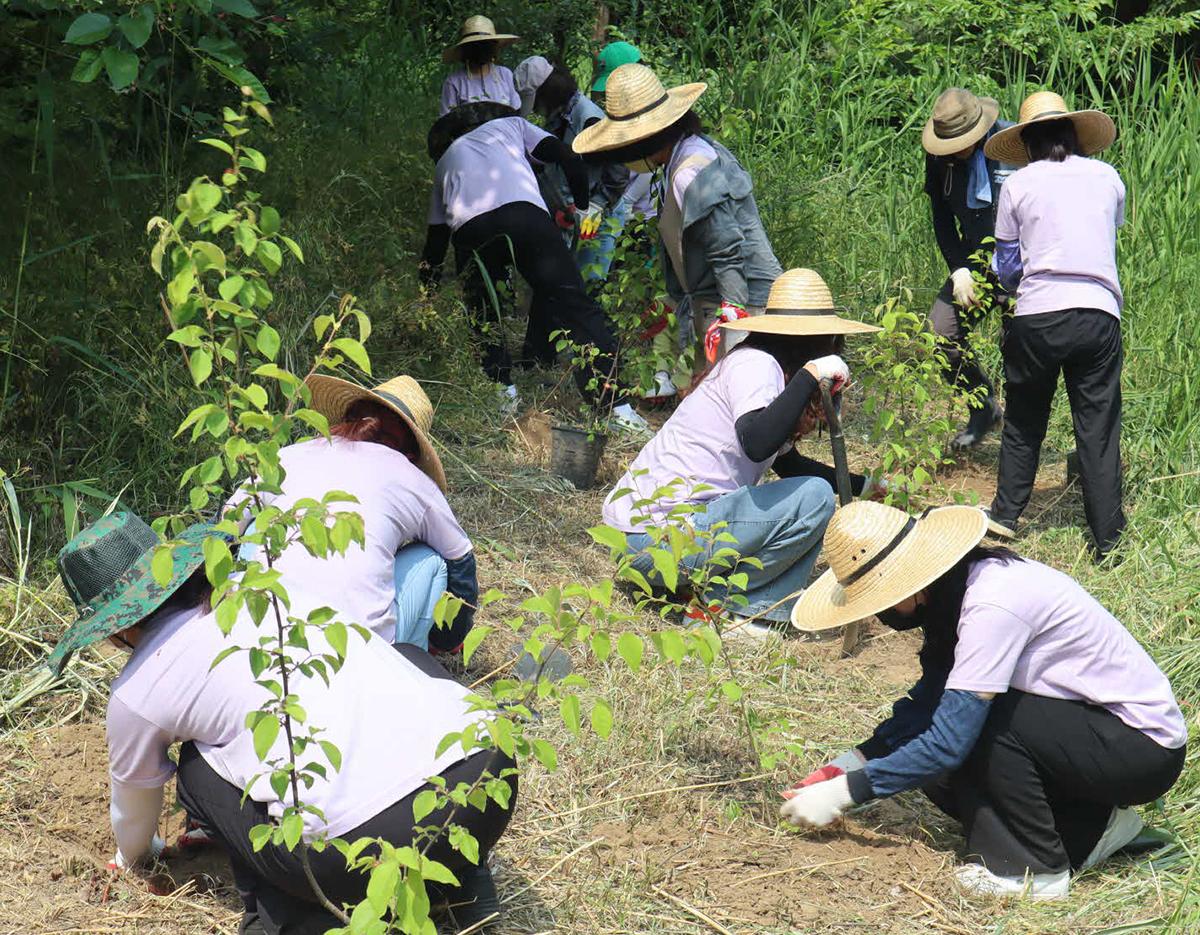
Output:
x,y
699,442
1065,216
1027,626
484,170
493,83
385,716
399,504
681,178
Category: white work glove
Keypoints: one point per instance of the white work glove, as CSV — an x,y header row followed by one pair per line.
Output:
x,y
831,368
964,287
119,862
818,805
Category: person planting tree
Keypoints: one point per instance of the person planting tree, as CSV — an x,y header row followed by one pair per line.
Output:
x,y
1056,245
385,710
739,423
480,78
1038,720
963,186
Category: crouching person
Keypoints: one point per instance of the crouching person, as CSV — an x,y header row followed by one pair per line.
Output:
x,y
379,452
386,710
1038,721
739,423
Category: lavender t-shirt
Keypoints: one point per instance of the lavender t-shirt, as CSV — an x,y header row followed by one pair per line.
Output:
x,y
1065,216
484,170
1026,626
494,84
699,444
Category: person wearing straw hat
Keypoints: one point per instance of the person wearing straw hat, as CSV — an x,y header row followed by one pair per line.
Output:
x,y
551,91
720,265
415,550
480,78
486,203
963,186
1038,720
1056,246
740,422
385,710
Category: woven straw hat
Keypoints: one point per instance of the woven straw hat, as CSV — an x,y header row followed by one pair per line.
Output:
x,y
800,304
476,29
1095,129
959,120
332,396
879,555
638,106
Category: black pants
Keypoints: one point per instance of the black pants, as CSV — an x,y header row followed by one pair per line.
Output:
x,y
1085,345
1037,789
276,896
952,325
522,234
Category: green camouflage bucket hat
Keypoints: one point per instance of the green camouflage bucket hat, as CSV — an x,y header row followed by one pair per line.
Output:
x,y
106,570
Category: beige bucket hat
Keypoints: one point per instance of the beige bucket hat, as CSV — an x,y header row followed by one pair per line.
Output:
x,y
1095,129
476,29
332,396
800,304
959,120
638,106
879,555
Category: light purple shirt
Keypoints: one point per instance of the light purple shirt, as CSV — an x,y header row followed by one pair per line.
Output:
x,y
494,84
484,170
1065,216
699,444
681,178
1026,626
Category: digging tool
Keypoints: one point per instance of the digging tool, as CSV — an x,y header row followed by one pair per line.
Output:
x,y
841,469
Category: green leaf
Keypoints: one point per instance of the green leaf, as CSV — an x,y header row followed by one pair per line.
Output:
x,y
471,643
207,196
189,336
218,144
121,65
239,7
230,287
200,364
260,836
269,256
88,66
268,340
314,420
246,238
212,255
631,648
265,732
162,564
546,754
668,569
569,709
355,351
89,28
292,827
299,255
268,221
602,718
381,888
179,289
136,26
424,803
614,539
338,637
332,753
601,646
731,690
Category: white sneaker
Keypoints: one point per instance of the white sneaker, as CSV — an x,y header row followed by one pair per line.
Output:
x,y
977,880
743,629
624,418
1124,824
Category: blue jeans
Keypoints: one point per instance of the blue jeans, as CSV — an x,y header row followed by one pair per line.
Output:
x,y
595,256
780,523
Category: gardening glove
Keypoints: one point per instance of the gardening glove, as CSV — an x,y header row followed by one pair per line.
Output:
x,y
120,863
820,804
964,287
565,218
194,838
831,368
728,311
875,488
589,221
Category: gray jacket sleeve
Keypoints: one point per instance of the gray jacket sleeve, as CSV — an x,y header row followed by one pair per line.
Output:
x,y
720,238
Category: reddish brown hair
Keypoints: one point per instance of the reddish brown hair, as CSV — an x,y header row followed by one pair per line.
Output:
x,y
369,421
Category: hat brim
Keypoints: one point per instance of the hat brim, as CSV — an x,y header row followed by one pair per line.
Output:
x,y
947,146
613,134
937,541
137,596
1094,128
453,53
799,325
332,396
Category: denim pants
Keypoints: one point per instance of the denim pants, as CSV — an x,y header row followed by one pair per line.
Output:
x,y
781,523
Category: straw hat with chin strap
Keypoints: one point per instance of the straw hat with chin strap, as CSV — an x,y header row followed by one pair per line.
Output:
x,y
959,121
878,556
476,29
800,304
638,106
332,397
1094,128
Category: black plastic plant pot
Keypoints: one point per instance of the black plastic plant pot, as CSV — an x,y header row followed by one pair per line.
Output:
x,y
575,456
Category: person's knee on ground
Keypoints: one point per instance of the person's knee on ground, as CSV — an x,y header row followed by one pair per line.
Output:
x,y
420,577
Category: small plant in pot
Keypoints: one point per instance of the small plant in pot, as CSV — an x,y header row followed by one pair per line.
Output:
x,y
577,446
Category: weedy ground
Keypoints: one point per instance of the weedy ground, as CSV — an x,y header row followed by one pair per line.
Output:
x,y
669,825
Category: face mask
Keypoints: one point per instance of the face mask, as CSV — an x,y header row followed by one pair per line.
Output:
x,y
641,165
895,620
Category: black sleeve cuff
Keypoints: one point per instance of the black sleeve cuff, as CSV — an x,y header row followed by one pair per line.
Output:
x,y
860,786
874,748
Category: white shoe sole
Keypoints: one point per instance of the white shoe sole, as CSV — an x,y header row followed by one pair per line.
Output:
x,y
1038,887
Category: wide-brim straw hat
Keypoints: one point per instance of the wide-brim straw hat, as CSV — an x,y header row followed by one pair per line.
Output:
x,y
878,556
332,396
959,120
476,29
107,570
638,106
800,303
1094,128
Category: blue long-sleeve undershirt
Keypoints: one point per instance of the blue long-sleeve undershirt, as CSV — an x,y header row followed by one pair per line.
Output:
x,y
943,746
1006,263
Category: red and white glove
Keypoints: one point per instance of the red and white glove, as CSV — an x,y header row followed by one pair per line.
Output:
x,y
565,218
819,804
194,838
728,311
831,368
